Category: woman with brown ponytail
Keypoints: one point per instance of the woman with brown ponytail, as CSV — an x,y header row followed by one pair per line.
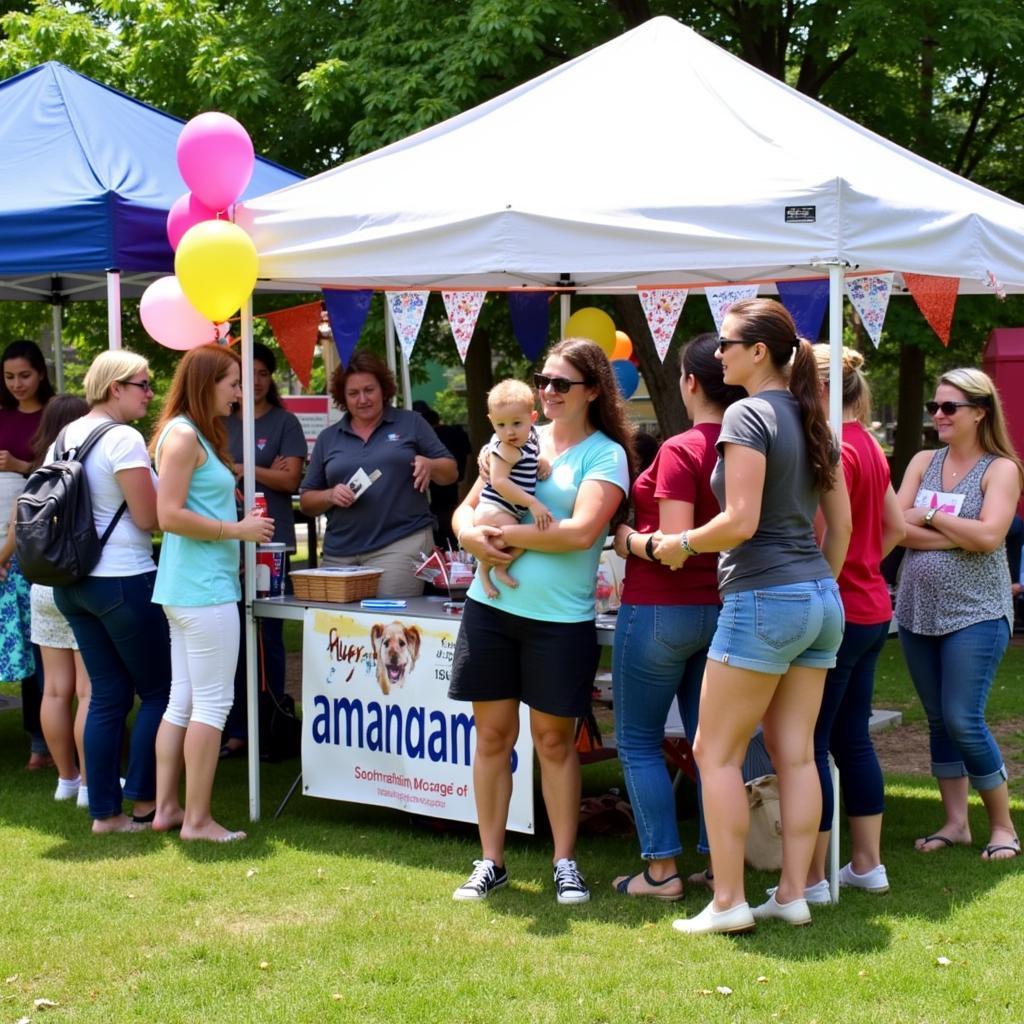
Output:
x,y
782,619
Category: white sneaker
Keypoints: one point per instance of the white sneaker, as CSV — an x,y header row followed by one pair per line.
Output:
x,y
876,880
83,797
67,789
710,921
795,912
817,895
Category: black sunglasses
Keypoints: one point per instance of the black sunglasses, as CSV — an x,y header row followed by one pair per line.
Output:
x,y
947,408
146,385
724,343
560,384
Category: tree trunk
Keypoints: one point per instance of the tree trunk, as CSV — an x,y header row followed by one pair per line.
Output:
x,y
479,380
907,440
662,380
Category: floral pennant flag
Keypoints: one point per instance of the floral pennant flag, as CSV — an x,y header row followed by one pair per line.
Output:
x,y
720,299
870,297
662,307
463,308
295,331
936,298
407,309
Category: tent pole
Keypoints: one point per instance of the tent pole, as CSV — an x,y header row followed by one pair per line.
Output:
x,y
113,308
565,310
57,319
249,577
835,342
389,336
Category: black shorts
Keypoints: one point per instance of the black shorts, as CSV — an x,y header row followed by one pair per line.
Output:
x,y
549,666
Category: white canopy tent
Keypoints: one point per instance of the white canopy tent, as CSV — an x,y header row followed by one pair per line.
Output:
x,y
657,159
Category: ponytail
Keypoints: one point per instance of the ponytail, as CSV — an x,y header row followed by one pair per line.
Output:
x,y
805,386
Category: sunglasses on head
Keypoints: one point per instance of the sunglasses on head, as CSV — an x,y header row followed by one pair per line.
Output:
x,y
541,381
724,343
947,408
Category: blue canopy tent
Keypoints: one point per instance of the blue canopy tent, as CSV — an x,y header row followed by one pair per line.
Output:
x,y
88,175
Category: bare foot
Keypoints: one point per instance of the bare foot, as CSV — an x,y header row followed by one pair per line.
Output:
x,y
485,581
168,820
1002,845
503,575
116,823
211,832
704,878
949,835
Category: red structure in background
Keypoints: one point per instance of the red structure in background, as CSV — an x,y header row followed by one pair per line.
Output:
x,y
1003,361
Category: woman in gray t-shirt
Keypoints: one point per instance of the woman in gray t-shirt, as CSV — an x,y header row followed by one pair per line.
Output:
x,y
782,618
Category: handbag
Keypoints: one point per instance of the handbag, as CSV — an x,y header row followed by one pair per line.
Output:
x,y
764,838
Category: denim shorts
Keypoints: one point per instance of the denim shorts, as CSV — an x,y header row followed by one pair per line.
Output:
x,y
771,629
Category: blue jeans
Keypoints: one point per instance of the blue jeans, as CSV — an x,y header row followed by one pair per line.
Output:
x,y
658,657
842,725
124,643
953,674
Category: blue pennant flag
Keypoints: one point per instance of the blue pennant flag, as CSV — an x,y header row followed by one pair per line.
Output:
x,y
529,311
347,312
807,302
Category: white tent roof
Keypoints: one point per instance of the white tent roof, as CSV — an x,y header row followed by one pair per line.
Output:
x,y
657,158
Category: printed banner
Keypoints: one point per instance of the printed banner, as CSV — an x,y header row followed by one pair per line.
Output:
x,y
463,308
870,297
662,307
720,299
347,312
378,727
529,312
936,298
407,309
295,331
807,302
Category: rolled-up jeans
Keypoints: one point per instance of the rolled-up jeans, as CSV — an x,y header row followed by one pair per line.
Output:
x,y
953,675
124,643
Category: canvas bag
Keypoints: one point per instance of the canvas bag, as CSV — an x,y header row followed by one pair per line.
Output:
x,y
764,839
55,537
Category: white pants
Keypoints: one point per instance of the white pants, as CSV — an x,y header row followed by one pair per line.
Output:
x,y
204,653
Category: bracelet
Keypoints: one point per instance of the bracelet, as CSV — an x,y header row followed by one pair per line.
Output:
x,y
220,532
684,543
629,541
650,548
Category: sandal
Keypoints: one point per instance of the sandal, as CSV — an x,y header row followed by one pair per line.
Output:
x,y
622,886
935,837
704,878
1013,847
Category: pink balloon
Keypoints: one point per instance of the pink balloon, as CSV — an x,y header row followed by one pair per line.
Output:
x,y
186,211
215,157
171,320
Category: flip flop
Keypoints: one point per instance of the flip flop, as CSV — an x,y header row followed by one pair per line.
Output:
x,y
144,819
622,886
1013,847
704,878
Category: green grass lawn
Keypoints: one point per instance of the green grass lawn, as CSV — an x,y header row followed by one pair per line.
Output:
x,y
343,913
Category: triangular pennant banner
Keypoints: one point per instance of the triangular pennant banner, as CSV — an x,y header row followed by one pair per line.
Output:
x,y
407,309
720,299
662,307
870,297
936,298
347,312
295,331
807,302
529,312
463,308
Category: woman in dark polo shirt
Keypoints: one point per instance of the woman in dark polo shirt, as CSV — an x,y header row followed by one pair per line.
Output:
x,y
387,524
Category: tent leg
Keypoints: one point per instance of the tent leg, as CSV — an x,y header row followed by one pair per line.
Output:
x,y
835,342
389,336
113,308
57,319
564,310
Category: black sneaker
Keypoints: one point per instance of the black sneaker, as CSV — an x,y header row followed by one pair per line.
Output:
x,y
569,884
486,877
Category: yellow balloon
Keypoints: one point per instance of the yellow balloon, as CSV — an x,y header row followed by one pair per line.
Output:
x,y
593,324
216,265
623,346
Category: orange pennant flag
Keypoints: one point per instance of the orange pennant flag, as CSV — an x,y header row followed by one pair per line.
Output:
x,y
295,331
936,298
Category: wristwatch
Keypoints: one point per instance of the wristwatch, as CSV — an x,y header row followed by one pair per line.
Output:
x,y
929,516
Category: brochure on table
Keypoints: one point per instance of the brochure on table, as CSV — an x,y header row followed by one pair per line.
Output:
x,y
377,725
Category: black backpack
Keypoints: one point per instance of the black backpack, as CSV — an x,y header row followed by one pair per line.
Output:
x,y
55,538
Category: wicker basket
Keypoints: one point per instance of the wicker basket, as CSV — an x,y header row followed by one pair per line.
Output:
x,y
342,584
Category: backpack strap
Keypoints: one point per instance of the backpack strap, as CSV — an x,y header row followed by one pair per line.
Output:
x,y
80,453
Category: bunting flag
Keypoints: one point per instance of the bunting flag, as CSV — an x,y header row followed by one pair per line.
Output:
x,y
807,303
995,285
463,308
870,297
295,331
662,307
720,299
529,312
936,298
407,309
347,312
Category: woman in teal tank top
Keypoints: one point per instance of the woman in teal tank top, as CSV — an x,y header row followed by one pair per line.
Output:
x,y
197,583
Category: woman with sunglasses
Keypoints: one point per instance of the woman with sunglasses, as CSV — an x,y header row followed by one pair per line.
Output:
x,y
782,619
536,644
954,604
666,621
